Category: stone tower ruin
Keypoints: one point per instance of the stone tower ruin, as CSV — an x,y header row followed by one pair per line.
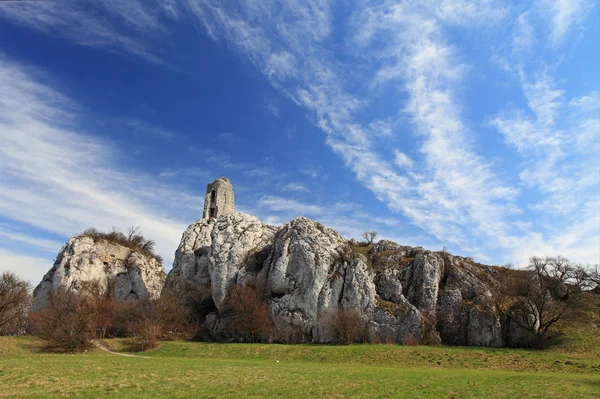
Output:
x,y
219,198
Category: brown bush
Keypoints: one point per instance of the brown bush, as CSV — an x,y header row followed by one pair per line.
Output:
x,y
410,340
286,333
66,324
248,314
145,336
15,301
166,316
348,326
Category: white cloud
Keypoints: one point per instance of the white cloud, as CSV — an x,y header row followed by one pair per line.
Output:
x,y
450,190
402,160
40,243
280,65
61,180
559,145
525,36
298,187
28,268
289,206
563,14
83,25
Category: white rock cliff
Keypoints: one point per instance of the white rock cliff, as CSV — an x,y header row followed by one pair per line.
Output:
x,y
129,273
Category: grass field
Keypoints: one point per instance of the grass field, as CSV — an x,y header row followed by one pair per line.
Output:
x,y
203,370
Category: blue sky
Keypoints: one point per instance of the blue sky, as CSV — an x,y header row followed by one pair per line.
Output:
x,y
470,125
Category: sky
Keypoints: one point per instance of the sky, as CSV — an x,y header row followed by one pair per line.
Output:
x,y
470,125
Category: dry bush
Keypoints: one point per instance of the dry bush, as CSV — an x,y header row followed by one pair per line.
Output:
x,y
173,318
348,326
248,314
15,301
410,340
133,240
146,334
66,324
166,316
101,305
286,333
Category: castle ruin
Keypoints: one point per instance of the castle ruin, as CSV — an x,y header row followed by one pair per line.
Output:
x,y
219,199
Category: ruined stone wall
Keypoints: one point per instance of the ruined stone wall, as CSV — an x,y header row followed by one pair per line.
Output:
x,y
221,202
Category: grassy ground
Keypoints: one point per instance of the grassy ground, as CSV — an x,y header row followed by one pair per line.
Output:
x,y
187,369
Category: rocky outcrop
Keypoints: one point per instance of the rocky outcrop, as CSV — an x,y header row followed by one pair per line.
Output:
x,y
216,254
307,272
308,278
126,273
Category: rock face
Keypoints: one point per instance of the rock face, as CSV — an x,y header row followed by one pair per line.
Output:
x,y
308,278
127,273
307,272
216,254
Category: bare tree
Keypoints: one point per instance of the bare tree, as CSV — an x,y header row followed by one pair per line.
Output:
x,y
537,298
15,300
67,323
595,275
369,236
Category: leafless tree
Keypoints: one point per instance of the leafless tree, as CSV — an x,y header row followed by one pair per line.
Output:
x,y
369,236
537,298
15,300
595,275
66,324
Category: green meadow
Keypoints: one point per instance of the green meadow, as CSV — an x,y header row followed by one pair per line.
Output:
x,y
180,369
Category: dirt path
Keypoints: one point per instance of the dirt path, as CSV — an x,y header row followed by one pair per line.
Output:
x,y
102,346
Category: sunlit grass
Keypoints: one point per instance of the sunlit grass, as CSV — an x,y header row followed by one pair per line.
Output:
x,y
211,370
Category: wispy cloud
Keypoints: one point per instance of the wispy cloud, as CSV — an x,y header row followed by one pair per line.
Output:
x,y
58,179
446,187
563,15
140,127
29,268
297,187
83,24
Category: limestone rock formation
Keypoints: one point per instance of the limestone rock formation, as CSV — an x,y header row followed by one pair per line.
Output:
x,y
307,272
214,254
127,273
308,278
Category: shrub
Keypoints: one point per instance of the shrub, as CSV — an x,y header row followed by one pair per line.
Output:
x,y
146,334
348,326
248,314
410,341
66,324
